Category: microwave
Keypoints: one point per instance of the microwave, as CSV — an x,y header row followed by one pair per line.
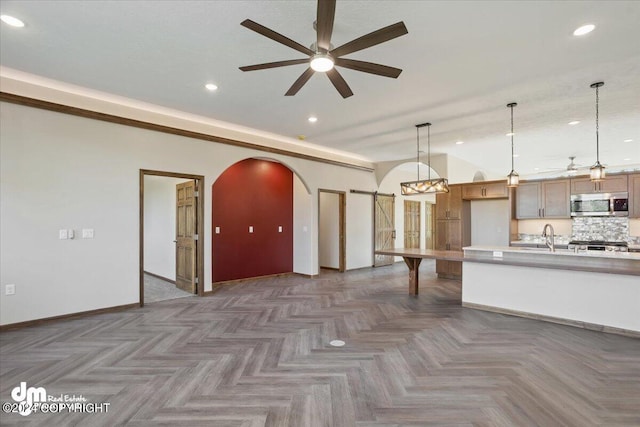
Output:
x,y
600,204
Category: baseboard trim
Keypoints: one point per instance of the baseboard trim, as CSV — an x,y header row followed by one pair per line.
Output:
x,y
245,279
157,276
307,276
38,322
552,319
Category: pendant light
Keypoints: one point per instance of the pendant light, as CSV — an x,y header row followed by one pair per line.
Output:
x,y
597,170
427,186
513,179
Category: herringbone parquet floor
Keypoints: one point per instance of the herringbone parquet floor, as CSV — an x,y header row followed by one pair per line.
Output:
x,y
256,354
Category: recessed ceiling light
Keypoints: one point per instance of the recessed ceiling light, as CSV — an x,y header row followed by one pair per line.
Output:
x,y
459,142
516,155
312,119
628,140
10,20
627,159
573,123
510,134
585,29
211,87
536,169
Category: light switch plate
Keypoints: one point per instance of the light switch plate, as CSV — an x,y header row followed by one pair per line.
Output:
x,y
10,289
63,234
279,229
87,233
217,230
251,229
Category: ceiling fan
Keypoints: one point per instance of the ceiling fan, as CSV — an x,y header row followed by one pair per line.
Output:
x,y
322,57
571,169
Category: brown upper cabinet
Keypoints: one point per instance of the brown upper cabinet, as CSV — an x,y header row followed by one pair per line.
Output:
x,y
634,195
611,184
449,205
485,190
546,199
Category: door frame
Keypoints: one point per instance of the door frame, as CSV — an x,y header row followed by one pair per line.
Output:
x,y
199,226
342,227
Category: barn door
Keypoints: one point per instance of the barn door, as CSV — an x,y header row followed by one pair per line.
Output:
x,y
186,236
384,227
411,224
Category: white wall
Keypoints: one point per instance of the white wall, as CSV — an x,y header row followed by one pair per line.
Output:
x,y
329,230
490,222
160,225
302,226
61,171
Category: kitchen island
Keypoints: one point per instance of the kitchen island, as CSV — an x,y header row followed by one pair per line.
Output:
x,y
414,256
594,290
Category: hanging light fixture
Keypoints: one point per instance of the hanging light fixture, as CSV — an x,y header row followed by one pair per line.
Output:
x,y
597,170
513,179
425,186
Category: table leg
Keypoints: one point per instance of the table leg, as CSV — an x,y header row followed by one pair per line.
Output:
x,y
414,266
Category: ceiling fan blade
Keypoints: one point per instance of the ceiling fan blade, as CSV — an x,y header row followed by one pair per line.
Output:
x,y
369,67
379,36
274,64
339,83
260,29
324,22
297,85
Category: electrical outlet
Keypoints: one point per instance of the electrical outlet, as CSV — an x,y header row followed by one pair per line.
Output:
x,y
87,233
10,289
63,234
497,254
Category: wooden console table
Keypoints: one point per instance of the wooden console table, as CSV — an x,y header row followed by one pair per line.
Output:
x,y
413,257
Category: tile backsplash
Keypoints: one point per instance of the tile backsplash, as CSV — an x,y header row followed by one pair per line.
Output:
x,y
583,228
600,228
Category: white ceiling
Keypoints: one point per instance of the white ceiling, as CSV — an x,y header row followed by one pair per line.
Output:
x,y
463,61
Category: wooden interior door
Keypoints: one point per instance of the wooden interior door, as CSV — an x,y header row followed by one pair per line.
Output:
x,y
411,224
429,225
384,227
186,236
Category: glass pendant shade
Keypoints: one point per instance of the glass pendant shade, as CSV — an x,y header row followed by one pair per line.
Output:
x,y
424,186
597,172
513,179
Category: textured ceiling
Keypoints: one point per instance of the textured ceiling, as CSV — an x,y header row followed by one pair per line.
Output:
x,y
463,62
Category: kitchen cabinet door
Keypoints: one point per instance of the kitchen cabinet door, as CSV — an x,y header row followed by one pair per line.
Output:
x,y
492,190
449,235
611,184
614,184
528,201
472,191
634,195
449,205
556,197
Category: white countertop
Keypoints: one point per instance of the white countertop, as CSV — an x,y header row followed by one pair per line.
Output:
x,y
547,252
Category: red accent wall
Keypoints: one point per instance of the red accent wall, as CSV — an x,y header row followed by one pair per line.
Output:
x,y
254,193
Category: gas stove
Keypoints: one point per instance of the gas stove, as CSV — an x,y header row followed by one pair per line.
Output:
x,y
598,245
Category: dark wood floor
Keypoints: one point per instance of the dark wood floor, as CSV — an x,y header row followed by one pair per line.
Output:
x,y
256,354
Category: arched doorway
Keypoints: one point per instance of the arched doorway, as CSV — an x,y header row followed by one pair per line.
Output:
x,y
253,220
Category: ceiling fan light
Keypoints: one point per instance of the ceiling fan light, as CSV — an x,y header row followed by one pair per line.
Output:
x,y
597,172
322,63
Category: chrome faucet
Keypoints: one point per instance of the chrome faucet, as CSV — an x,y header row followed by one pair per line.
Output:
x,y
549,240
